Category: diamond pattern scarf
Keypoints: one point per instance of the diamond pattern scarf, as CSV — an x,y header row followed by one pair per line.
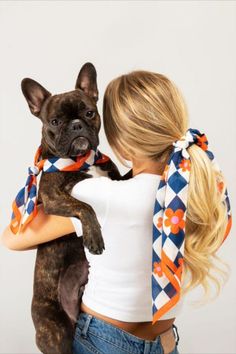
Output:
x,y
25,204
169,223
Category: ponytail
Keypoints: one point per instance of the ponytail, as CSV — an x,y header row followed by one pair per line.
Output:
x,y
207,224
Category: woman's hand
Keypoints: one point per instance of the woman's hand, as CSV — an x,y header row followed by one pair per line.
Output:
x,y
41,229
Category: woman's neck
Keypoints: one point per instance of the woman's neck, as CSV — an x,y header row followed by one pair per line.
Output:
x,y
147,166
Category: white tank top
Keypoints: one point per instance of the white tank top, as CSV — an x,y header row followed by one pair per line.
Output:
x,y
119,281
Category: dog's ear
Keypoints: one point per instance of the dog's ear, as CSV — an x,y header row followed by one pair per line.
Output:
x,y
35,95
87,80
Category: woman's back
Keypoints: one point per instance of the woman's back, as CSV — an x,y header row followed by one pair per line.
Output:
x,y
119,284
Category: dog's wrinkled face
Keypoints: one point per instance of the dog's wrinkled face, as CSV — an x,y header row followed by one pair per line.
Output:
x,y
70,120
71,123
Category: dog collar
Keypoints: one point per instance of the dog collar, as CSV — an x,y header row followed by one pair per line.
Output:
x,y
24,207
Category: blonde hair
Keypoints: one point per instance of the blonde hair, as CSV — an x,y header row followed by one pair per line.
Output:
x,y
144,113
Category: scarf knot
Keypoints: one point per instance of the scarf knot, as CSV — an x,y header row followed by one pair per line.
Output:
x,y
192,136
33,171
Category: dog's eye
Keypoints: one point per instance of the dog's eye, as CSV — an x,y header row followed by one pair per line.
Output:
x,y
90,114
55,122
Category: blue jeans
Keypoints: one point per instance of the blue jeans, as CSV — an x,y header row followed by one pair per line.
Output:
x,y
96,336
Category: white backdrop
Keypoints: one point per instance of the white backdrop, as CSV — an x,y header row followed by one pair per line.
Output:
x,y
193,43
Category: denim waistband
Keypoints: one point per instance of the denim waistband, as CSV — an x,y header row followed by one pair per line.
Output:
x,y
105,330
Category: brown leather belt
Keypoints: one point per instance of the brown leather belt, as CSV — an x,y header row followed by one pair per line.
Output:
x,y
168,340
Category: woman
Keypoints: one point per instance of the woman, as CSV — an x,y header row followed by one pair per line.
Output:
x,y
144,115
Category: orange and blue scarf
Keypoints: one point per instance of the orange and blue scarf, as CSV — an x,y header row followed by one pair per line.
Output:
x,y
169,223
25,204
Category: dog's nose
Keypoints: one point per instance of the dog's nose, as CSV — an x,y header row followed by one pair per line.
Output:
x,y
76,124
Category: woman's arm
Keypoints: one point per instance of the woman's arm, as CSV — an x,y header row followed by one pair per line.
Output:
x,y
41,229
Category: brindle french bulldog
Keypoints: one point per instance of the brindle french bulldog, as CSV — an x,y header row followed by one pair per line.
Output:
x,y
71,124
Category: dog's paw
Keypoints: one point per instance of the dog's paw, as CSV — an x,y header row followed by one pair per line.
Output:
x,y
93,240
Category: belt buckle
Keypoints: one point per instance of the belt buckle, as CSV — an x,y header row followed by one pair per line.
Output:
x,y
168,341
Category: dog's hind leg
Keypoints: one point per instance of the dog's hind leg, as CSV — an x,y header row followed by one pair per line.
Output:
x,y
55,332
70,288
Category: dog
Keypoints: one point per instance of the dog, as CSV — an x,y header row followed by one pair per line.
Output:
x,y
70,127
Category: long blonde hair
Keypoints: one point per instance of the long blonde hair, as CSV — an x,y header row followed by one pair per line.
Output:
x,y
144,113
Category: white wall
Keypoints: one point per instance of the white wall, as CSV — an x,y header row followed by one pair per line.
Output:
x,y
193,43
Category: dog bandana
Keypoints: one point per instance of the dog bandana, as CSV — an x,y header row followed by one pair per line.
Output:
x,y
25,204
169,223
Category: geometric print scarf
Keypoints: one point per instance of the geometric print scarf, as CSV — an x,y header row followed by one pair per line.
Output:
x,y
169,223
24,206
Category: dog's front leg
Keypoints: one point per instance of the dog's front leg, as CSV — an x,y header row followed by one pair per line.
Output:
x,y
58,202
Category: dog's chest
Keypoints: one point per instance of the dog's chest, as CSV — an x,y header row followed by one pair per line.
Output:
x,y
96,171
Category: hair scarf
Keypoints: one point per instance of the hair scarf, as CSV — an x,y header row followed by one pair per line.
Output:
x,y
169,222
24,207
